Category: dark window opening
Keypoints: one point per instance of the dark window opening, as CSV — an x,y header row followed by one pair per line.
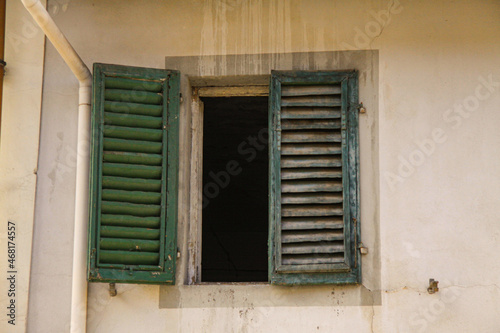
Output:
x,y
235,189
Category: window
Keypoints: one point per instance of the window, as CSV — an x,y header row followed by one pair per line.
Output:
x,y
133,193
313,190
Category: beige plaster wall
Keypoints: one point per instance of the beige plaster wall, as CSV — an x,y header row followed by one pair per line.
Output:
x,y
433,162
19,140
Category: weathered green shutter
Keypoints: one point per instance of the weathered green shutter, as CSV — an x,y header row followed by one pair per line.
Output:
x,y
314,197
133,179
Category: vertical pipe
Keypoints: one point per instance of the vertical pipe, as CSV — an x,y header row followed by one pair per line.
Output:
x,y
82,73
79,285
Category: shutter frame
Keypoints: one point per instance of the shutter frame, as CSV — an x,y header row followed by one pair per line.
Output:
x,y
168,82
348,272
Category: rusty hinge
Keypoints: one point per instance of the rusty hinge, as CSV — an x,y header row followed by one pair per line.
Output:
x,y
362,248
112,289
277,129
2,66
361,108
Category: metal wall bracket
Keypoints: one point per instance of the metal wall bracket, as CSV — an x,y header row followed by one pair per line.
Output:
x,y
361,108
112,290
362,248
433,286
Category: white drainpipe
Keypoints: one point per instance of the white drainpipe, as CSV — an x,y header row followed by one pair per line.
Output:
x,y
82,73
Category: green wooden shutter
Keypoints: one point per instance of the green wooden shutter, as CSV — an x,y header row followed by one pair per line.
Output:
x,y
314,194
133,178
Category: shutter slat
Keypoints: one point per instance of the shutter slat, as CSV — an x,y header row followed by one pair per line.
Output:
x,y
130,233
133,96
310,161
310,113
129,258
310,149
132,84
293,186
130,244
132,158
301,173
311,223
310,90
111,207
312,260
308,198
134,108
303,137
130,221
293,124
311,210
134,146
312,248
131,170
129,120
131,184
311,236
316,101
130,133
131,196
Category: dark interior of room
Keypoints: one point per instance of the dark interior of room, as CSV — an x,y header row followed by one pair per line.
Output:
x,y
235,189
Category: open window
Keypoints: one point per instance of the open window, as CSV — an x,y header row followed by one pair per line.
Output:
x,y
235,189
274,179
312,180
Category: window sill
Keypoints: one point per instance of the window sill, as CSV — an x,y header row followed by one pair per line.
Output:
x,y
262,294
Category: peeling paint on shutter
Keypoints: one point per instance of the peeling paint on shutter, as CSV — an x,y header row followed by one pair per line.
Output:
x,y
313,163
133,204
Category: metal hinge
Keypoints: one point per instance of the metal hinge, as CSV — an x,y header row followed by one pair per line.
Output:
x,y
362,248
112,289
2,66
277,129
361,108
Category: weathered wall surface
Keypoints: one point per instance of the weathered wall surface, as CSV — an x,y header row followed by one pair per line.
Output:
x,y
20,129
430,159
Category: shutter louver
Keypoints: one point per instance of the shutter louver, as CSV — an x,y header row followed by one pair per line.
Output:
x,y
134,175
310,179
311,196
